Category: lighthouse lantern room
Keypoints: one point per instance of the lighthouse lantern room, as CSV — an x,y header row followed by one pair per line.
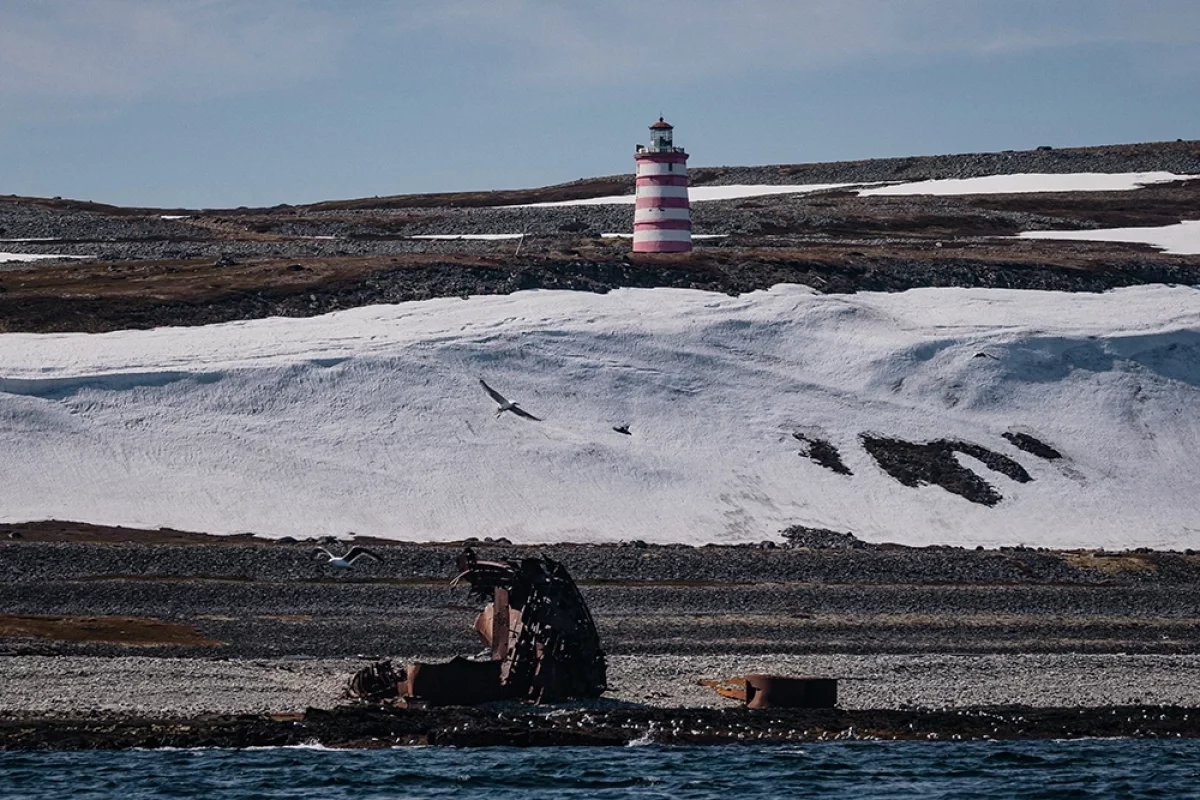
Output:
x,y
662,220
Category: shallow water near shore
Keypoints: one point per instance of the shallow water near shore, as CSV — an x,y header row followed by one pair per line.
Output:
x,y
1028,769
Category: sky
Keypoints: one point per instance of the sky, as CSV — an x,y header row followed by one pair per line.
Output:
x,y
220,103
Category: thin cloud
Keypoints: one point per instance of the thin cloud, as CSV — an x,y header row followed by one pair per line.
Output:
x,y
126,49
117,50
623,40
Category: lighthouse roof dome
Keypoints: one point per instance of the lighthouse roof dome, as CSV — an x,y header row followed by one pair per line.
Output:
x,y
660,125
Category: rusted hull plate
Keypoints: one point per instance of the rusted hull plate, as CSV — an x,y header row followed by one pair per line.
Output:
x,y
458,682
777,691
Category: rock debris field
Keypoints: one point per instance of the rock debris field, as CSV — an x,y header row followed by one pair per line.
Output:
x,y
272,631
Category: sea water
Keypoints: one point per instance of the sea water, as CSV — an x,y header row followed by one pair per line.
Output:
x,y
1112,768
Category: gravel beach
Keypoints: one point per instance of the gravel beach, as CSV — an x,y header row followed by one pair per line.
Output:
x,y
142,685
161,627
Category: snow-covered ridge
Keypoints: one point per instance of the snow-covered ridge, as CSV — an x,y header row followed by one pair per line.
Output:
x,y
988,184
373,420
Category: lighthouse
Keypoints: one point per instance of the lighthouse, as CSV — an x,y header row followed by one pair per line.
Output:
x,y
662,218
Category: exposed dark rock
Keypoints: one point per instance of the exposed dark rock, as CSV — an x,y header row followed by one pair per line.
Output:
x,y
916,464
374,727
821,538
823,452
1031,445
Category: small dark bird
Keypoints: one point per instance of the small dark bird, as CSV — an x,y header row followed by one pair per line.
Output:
x,y
347,560
622,429
506,405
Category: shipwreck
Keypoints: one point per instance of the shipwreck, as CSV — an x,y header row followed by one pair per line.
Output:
x,y
542,644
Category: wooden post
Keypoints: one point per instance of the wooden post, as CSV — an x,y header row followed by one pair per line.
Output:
x,y
500,623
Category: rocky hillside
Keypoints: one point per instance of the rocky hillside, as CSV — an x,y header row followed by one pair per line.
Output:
x,y
151,267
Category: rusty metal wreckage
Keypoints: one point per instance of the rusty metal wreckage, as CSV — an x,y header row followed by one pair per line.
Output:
x,y
543,641
544,648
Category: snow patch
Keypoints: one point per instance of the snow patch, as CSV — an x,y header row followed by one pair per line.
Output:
x,y
1028,183
991,184
479,236
694,235
373,419
1182,238
7,257
700,194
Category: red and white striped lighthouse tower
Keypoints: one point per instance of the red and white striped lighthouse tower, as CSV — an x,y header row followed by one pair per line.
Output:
x,y
662,218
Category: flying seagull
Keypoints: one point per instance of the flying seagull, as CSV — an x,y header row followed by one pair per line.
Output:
x,y
505,405
345,562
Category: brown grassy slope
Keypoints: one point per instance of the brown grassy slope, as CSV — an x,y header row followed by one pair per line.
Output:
x,y
1159,204
104,297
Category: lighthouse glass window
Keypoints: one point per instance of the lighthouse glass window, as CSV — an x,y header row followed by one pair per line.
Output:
x,y
662,139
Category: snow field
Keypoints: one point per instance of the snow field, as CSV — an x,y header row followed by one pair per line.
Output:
x,y
372,420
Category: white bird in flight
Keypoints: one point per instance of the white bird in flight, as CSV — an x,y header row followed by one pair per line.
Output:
x,y
505,405
347,560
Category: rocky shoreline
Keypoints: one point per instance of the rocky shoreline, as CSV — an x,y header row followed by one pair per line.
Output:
x,y
367,727
118,638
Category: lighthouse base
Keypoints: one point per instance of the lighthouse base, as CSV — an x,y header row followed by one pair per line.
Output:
x,y
662,247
